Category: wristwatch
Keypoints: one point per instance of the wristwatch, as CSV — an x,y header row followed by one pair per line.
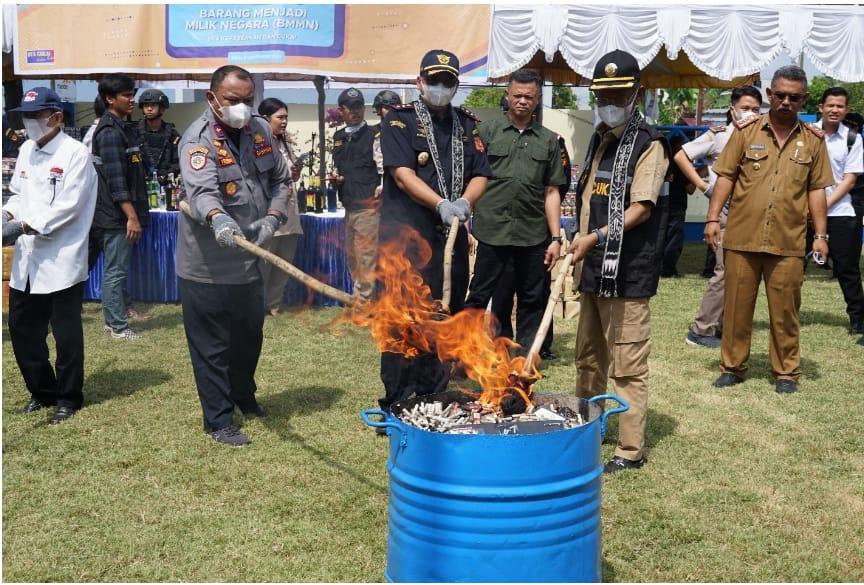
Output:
x,y
820,237
558,239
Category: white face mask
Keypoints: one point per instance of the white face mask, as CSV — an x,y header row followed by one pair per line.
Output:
x,y
438,95
741,116
235,116
36,128
613,116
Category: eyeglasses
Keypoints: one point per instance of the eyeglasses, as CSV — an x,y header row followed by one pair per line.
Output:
x,y
793,98
613,100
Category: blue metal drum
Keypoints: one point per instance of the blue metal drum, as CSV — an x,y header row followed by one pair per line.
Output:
x,y
495,508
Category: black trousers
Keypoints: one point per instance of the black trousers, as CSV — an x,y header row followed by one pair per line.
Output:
x,y
529,277
29,316
502,307
224,330
425,374
845,249
674,244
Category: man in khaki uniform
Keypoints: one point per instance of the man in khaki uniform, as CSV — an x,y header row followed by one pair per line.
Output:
x,y
776,170
621,247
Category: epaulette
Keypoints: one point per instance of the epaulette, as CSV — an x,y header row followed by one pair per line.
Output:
x,y
745,123
401,107
468,113
816,131
717,129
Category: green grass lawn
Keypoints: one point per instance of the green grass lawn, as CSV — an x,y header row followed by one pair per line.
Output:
x,y
742,485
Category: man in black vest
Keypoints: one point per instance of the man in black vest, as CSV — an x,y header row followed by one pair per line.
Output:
x,y
121,205
620,244
359,175
424,190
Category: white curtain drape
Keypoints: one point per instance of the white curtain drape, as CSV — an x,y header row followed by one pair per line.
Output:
x,y
724,42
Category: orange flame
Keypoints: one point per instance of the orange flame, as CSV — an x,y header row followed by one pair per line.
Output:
x,y
405,319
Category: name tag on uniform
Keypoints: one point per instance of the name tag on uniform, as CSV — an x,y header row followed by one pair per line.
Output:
x,y
263,150
757,147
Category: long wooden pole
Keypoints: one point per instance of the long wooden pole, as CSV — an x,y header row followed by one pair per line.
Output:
x,y
287,267
550,309
446,289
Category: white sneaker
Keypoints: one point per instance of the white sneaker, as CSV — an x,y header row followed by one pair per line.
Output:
x,y
107,329
126,335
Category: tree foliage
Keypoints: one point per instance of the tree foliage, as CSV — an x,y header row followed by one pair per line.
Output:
x,y
563,98
820,83
485,97
675,104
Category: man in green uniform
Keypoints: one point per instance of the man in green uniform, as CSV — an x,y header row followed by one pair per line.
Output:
x,y
518,220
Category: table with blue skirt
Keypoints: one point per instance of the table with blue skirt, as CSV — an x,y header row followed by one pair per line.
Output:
x,y
152,276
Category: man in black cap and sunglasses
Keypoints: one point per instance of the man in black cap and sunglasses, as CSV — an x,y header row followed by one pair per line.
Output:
x,y
435,169
621,248
775,169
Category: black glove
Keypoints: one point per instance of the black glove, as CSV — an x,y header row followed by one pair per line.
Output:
x,y
263,229
225,228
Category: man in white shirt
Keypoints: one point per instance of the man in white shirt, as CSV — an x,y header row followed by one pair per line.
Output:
x,y
746,102
48,218
844,152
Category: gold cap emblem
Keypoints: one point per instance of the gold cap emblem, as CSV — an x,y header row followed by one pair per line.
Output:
x,y
423,159
611,70
443,59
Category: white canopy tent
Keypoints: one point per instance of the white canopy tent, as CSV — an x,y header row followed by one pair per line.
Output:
x,y
722,46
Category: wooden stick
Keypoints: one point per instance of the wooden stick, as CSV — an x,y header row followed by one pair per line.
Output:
x,y
285,266
557,287
448,264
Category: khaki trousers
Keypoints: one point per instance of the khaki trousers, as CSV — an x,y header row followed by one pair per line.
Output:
x,y
361,244
274,278
783,276
709,318
613,341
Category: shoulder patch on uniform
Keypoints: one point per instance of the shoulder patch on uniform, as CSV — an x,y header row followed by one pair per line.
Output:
x,y
398,124
717,129
816,131
468,113
747,122
198,157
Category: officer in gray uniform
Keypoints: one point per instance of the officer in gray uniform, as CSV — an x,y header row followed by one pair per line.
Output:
x,y
236,185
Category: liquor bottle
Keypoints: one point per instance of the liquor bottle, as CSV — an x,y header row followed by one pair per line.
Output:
x,y
153,191
319,200
169,193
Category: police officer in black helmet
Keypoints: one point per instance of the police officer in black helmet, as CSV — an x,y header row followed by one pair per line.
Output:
x,y
424,191
384,101
158,139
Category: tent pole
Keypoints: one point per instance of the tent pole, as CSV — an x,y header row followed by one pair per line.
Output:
x,y
319,85
700,106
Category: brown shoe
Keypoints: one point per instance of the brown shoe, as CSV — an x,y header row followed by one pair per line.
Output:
x,y
136,315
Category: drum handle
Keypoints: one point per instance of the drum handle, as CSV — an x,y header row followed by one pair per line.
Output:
x,y
606,413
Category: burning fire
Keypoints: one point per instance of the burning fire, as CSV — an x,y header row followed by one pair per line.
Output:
x,y
406,320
